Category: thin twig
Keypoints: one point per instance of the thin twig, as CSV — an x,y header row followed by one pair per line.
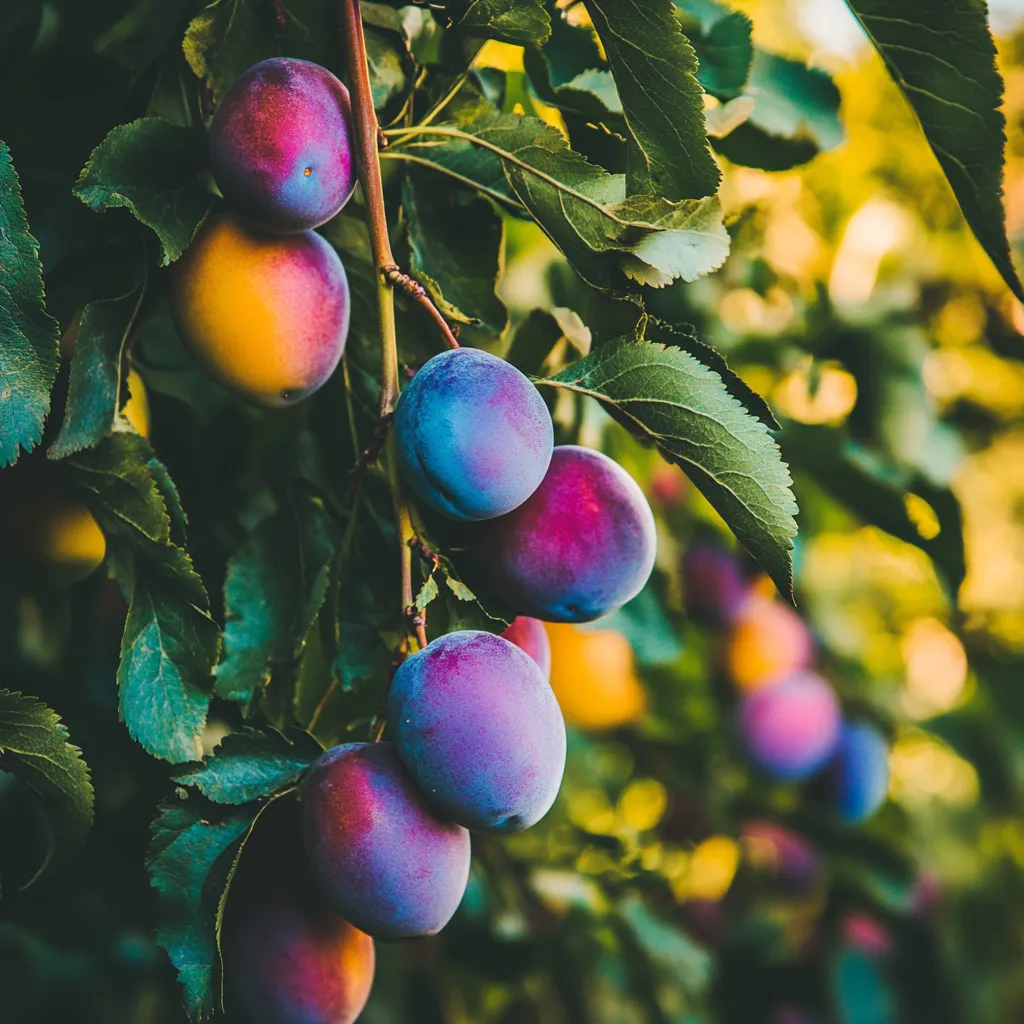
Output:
x,y
416,291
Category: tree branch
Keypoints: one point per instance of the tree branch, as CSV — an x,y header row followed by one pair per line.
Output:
x,y
417,292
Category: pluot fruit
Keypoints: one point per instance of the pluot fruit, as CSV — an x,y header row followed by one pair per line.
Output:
x,y
768,642
593,674
714,586
375,847
281,145
473,435
530,635
266,316
790,729
480,731
859,773
289,958
579,547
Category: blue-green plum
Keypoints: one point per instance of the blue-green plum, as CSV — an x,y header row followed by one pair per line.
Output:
x,y
473,435
859,773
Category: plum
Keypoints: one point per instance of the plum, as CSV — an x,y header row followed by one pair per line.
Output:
x,y
790,729
714,585
473,435
267,316
530,635
579,547
859,773
768,642
387,863
281,145
480,731
288,958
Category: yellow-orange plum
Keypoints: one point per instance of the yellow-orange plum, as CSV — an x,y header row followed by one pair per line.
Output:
x,y
266,315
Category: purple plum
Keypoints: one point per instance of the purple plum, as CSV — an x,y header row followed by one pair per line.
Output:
x,y
532,637
376,849
859,773
790,729
473,435
579,547
714,585
281,145
480,731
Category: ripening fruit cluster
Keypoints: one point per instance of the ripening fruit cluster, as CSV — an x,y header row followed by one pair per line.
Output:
x,y
789,718
562,534
261,300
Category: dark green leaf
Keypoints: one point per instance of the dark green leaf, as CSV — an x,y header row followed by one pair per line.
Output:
x,y
231,35
878,493
943,58
170,642
666,396
249,765
28,335
655,70
614,242
722,41
361,655
534,340
154,169
275,585
98,372
34,748
795,116
525,22
188,839
456,241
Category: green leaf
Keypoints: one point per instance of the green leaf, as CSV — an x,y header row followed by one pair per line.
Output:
x,y
154,169
943,58
188,840
883,495
275,585
170,642
249,765
427,592
534,340
28,334
231,35
98,372
361,655
795,116
457,242
525,22
614,242
666,396
722,41
655,70
34,748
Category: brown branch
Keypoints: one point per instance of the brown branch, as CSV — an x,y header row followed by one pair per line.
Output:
x,y
416,291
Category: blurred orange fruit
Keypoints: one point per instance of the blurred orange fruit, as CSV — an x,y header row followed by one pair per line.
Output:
x,y
593,674
767,643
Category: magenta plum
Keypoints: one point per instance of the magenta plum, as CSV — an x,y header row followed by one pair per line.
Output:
x,y
473,435
790,729
376,849
859,773
480,731
714,585
288,959
530,635
281,146
580,546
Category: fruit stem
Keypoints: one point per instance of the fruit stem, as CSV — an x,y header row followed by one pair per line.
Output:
x,y
367,139
419,294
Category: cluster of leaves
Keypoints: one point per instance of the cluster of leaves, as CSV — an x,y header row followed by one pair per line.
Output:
x,y
278,603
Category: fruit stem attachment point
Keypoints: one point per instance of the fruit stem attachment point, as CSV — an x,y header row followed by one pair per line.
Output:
x,y
415,290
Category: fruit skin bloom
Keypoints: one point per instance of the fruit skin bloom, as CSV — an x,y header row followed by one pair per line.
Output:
x,y
376,849
473,436
281,145
480,731
267,316
579,547
790,729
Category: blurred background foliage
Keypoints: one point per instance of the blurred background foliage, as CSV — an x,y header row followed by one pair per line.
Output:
x,y
671,883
